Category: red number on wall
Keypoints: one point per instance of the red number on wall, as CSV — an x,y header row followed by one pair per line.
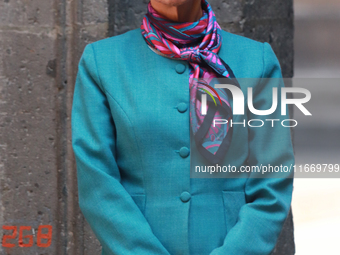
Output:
x,y
6,237
29,237
40,236
47,236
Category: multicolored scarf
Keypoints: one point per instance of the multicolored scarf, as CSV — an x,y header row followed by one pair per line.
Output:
x,y
198,43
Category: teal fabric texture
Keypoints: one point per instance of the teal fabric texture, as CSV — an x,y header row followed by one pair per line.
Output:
x,y
131,141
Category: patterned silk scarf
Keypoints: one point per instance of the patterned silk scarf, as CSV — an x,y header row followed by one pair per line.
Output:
x,y
198,43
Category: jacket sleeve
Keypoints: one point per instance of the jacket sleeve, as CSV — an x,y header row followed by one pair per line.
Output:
x,y
111,212
261,219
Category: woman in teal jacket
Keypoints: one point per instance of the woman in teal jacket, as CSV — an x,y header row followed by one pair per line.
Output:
x,y
131,140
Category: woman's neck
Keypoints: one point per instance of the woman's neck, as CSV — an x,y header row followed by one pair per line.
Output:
x,y
179,11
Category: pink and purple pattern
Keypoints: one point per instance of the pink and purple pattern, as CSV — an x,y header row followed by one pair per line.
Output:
x,y
198,43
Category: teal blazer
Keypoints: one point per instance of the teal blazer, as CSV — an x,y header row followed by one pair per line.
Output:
x,y
131,141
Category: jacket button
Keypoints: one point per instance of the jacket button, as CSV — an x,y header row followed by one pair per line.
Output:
x,y
182,107
185,197
184,152
180,68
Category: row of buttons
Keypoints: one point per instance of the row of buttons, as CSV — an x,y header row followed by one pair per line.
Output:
x,y
181,107
184,151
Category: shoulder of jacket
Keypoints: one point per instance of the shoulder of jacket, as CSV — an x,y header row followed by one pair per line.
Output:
x,y
116,41
245,56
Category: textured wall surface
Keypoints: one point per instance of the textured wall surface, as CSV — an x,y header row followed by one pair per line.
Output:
x,y
40,46
28,134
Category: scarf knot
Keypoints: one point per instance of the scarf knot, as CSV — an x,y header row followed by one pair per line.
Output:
x,y
193,56
197,43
